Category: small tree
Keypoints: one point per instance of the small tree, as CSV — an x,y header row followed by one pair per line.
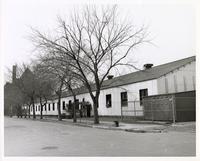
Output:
x,y
62,76
49,70
27,102
27,84
73,84
44,88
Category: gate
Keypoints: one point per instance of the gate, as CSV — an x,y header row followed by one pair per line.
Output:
x,y
159,109
133,109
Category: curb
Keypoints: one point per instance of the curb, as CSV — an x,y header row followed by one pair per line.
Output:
x,y
119,129
143,131
111,127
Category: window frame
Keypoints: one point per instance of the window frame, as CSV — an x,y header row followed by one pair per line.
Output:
x,y
108,100
141,95
124,101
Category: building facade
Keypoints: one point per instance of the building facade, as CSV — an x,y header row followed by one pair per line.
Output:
x,y
123,93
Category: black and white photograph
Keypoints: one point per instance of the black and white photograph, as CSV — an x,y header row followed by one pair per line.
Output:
x,y
98,79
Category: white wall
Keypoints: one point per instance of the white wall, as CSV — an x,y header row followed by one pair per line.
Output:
x,y
133,95
115,109
47,112
180,80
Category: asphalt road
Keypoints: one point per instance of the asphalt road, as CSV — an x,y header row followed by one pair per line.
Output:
x,y
35,138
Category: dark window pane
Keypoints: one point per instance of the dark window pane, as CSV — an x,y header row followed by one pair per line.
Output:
x,y
143,93
77,104
124,99
53,106
63,105
108,101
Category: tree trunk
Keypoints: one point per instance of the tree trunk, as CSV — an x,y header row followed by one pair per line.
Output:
x,y
96,116
95,106
29,111
58,108
33,104
74,110
41,105
41,115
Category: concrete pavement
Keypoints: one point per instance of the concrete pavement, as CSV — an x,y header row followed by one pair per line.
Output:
x,y
26,137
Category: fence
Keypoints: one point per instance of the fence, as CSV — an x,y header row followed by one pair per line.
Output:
x,y
161,108
133,109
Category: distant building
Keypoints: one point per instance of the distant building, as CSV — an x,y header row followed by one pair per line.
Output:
x,y
127,91
13,95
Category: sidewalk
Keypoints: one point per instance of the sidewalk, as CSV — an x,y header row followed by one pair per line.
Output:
x,y
142,127
136,127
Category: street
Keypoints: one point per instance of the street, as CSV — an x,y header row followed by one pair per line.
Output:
x,y
25,137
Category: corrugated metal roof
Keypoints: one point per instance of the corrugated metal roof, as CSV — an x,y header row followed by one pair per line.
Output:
x,y
139,76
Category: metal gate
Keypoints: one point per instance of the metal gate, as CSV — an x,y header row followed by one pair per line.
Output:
x,y
159,109
133,109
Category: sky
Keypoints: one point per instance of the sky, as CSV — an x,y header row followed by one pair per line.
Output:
x,y
171,27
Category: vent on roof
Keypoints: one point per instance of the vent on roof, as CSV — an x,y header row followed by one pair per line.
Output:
x,y
148,66
110,76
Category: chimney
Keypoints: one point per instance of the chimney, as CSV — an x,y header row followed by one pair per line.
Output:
x,y
110,76
148,66
14,73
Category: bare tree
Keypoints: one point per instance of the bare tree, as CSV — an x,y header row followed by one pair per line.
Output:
x,y
96,42
44,88
61,75
27,84
73,83
27,102
50,70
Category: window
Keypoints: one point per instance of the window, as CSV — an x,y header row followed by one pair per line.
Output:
x,y
77,104
53,106
108,101
63,104
35,108
143,93
49,106
38,107
45,107
31,109
124,99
